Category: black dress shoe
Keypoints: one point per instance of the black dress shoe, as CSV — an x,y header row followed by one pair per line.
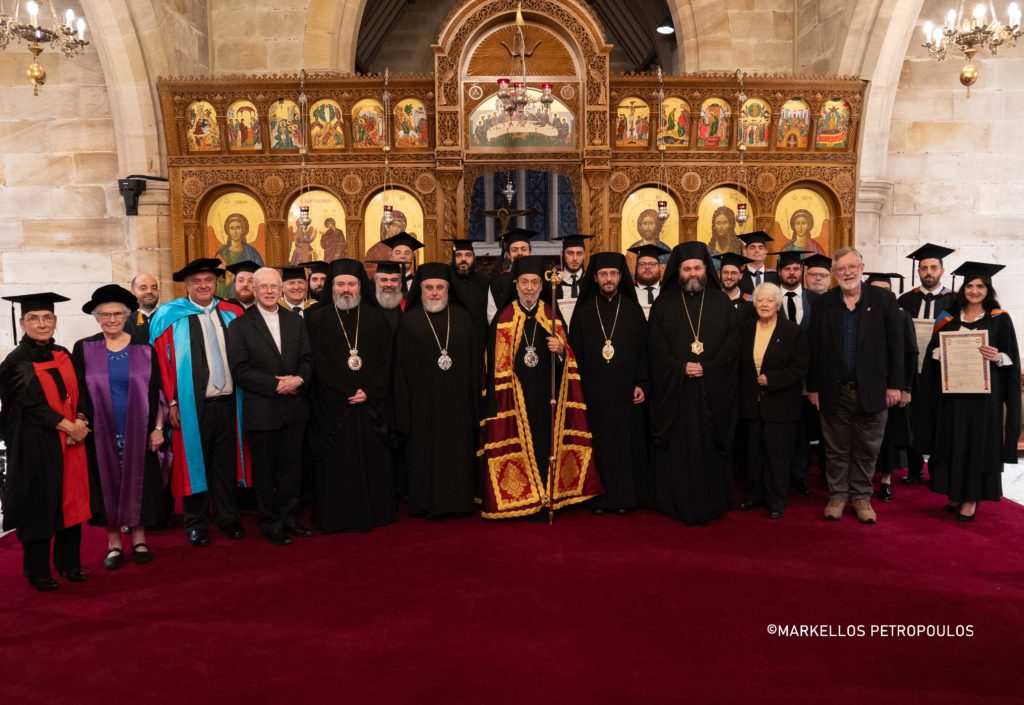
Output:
x,y
114,559
74,575
885,492
597,512
46,584
749,504
143,556
234,531
913,479
297,530
775,513
278,539
800,486
199,537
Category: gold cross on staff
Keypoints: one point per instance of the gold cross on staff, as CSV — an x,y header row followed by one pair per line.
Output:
x,y
503,215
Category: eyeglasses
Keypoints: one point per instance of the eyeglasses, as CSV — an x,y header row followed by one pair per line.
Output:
x,y
846,270
268,287
45,320
111,316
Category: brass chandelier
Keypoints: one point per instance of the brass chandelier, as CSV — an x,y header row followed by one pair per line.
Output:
x,y
25,25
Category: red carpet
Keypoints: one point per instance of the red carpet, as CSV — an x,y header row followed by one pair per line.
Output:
x,y
610,609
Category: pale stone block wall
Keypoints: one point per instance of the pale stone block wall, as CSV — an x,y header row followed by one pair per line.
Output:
x,y
258,36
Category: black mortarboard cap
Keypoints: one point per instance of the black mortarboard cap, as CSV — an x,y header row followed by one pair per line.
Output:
x,y
111,294
316,266
289,273
787,257
928,251
818,260
246,265
388,267
403,238
969,270
529,264
517,235
756,236
42,301
461,244
203,264
886,277
575,240
648,251
734,259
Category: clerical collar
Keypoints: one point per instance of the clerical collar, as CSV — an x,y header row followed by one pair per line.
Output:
x,y
526,309
265,312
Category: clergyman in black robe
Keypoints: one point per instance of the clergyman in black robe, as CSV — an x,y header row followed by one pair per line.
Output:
x,y
609,336
470,285
694,343
438,378
350,405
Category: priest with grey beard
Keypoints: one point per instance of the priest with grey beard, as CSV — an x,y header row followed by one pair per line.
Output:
x,y
439,366
350,403
388,281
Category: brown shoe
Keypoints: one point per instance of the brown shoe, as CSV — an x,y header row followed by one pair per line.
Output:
x,y
835,508
865,514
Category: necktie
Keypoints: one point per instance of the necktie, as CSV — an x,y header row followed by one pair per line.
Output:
x,y
928,298
757,278
791,305
574,289
217,358
650,294
297,309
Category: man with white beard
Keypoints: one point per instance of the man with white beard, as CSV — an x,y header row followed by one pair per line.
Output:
x,y
388,286
439,365
349,403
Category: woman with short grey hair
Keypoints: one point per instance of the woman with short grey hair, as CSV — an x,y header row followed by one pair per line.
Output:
x,y
121,378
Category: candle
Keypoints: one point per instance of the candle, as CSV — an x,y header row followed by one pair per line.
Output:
x,y
1013,14
927,32
33,12
81,29
979,14
69,19
951,19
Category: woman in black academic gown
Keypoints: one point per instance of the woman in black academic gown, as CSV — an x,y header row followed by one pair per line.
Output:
x,y
970,436
121,378
44,420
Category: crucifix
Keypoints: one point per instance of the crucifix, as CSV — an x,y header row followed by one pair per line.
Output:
x,y
504,215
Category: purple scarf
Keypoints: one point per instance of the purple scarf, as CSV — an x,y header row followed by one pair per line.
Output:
x,y
122,485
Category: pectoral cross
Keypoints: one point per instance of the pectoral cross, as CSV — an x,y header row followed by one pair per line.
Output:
x,y
504,215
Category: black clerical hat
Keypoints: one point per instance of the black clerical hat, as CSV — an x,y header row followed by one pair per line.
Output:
x,y
196,266
460,244
886,277
517,235
111,294
351,267
434,270
788,257
756,236
403,238
733,259
246,265
817,260
292,272
387,266
575,240
927,251
607,260
529,264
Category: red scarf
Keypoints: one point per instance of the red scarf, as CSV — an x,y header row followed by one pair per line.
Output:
x,y
75,499
512,481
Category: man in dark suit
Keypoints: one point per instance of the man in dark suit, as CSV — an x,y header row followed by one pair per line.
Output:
x,y
204,409
797,305
147,290
272,363
773,362
856,375
755,248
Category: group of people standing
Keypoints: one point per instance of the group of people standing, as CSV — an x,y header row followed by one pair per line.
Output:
x,y
518,392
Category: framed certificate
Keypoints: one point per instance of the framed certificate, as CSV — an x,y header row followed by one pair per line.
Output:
x,y
923,328
964,370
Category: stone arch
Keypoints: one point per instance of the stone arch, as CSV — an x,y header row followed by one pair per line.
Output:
x,y
703,28
332,32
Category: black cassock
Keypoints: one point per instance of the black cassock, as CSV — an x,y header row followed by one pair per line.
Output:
x,y
355,487
438,411
618,426
535,382
393,317
971,436
693,419
472,293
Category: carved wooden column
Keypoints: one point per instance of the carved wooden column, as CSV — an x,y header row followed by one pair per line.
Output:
x,y
449,204
597,195
277,241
